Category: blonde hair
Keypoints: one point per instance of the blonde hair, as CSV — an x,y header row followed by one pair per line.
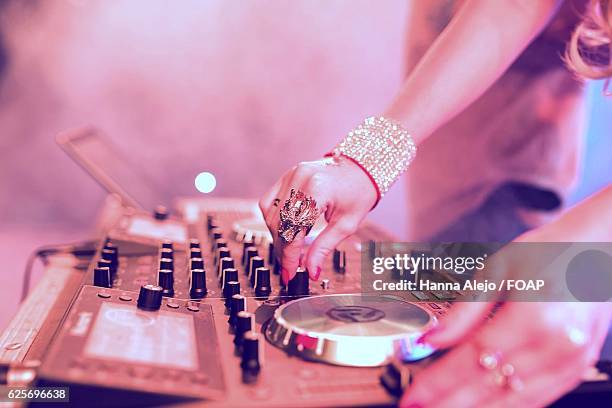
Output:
x,y
589,52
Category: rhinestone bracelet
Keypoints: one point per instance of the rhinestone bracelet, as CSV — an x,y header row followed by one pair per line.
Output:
x,y
381,147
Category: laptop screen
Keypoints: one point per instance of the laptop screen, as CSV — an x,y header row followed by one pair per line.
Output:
x,y
112,170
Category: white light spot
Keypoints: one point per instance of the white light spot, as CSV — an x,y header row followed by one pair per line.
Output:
x,y
205,182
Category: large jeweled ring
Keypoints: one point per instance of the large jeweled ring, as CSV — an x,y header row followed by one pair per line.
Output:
x,y
299,213
504,374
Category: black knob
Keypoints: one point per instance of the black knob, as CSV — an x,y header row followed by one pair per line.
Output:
x,y
215,234
166,253
277,267
167,244
161,213
166,263
165,279
220,243
222,253
196,263
237,304
246,244
150,297
262,283
105,263
195,253
110,254
271,255
244,323
230,289
339,261
210,221
229,275
102,277
298,286
256,262
250,357
224,263
194,243
198,284
396,377
250,253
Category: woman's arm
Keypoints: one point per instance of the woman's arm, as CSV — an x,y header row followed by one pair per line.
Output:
x,y
588,221
479,43
470,54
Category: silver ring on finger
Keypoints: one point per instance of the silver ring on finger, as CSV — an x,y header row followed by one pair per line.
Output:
x,y
503,373
299,213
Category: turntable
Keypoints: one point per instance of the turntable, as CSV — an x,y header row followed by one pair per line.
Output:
x,y
352,330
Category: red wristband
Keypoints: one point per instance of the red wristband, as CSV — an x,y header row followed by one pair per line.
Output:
x,y
378,195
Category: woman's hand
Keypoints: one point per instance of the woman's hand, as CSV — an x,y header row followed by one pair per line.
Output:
x,y
343,192
550,346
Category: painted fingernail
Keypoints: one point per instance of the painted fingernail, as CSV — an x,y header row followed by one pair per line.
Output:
x,y
423,339
285,276
317,274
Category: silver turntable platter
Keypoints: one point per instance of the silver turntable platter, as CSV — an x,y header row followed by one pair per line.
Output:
x,y
353,330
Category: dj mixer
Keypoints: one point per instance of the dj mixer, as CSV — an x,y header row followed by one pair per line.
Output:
x,y
189,309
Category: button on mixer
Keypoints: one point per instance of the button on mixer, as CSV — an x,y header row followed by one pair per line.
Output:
x,y
220,254
196,263
150,297
251,354
198,284
339,261
161,213
298,286
224,263
262,283
237,304
246,244
102,277
165,279
244,323
231,288
166,253
194,243
229,274
110,255
166,264
256,262
249,254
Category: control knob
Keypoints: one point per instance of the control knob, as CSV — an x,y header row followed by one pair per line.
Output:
x,y
198,284
229,275
196,263
251,355
262,283
298,286
102,277
237,304
230,289
150,297
250,253
165,279
244,323
256,262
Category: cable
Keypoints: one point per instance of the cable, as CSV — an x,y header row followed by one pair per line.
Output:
x,y
79,249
